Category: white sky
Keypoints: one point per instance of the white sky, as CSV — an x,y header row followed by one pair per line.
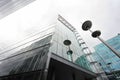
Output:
x,y
103,13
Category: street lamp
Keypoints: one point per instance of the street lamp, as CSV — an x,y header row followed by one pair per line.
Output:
x,y
96,34
69,52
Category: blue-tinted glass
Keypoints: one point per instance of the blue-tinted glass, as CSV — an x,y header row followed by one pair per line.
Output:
x,y
106,55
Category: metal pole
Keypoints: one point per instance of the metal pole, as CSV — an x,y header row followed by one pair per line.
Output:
x,y
87,25
91,31
112,49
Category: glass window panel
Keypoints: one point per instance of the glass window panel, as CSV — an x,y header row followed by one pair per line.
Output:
x,y
25,61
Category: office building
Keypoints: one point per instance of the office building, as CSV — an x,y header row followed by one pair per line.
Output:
x,y
107,59
47,57
44,55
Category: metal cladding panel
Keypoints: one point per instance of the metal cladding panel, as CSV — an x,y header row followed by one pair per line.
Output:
x,y
9,6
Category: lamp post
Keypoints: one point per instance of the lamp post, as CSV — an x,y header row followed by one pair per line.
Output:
x,y
69,52
96,34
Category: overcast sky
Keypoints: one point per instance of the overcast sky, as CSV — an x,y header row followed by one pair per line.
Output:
x,y
104,14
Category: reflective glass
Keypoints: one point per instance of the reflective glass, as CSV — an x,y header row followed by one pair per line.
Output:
x,y
104,55
61,34
28,59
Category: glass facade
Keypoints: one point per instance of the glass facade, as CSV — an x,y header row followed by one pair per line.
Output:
x,y
31,60
28,60
83,62
107,59
61,34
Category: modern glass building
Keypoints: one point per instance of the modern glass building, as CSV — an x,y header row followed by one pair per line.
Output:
x,y
107,59
45,57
